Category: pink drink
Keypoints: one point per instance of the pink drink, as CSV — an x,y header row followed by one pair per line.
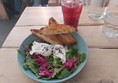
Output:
x,y
71,13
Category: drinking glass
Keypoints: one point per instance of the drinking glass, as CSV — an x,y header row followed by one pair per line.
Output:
x,y
97,8
110,27
71,11
97,14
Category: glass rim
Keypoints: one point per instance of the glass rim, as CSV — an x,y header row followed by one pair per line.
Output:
x,y
80,1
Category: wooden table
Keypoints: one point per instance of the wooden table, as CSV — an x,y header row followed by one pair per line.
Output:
x,y
39,17
103,52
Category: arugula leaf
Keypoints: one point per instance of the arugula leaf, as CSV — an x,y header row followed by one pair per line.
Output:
x,y
73,51
57,62
50,59
56,72
78,63
68,55
82,57
28,59
25,66
33,69
31,65
64,73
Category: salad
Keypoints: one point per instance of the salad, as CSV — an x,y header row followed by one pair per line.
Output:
x,y
48,61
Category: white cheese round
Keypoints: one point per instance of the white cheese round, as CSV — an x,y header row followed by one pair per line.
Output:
x,y
45,50
60,52
41,48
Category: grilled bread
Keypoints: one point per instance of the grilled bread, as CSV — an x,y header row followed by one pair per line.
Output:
x,y
48,38
54,35
66,39
52,21
57,29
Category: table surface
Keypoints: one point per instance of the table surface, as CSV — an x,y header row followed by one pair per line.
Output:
x,y
37,16
103,52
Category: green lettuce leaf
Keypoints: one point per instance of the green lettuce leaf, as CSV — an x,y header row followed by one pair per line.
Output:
x,y
82,57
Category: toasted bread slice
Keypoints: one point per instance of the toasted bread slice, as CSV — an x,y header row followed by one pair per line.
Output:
x,y
66,39
48,38
55,33
52,21
57,29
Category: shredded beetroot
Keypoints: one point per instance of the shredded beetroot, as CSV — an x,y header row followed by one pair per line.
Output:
x,y
43,64
39,59
69,64
45,72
